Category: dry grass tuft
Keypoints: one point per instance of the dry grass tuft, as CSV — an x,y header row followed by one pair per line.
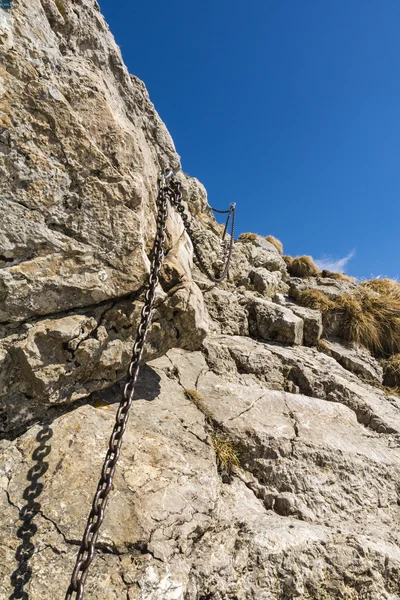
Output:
x,y
357,323
303,266
275,242
248,237
316,299
338,276
393,365
323,347
388,287
227,453
288,260
391,371
197,400
61,8
371,315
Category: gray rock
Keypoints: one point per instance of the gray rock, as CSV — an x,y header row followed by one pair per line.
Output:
x,y
331,287
280,299
249,255
306,492
318,375
242,360
271,322
312,320
355,359
268,283
78,166
228,312
309,507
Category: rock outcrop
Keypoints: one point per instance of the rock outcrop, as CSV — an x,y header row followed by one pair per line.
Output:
x,y
80,149
259,462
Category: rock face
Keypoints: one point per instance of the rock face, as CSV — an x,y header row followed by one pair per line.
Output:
x,y
254,465
80,148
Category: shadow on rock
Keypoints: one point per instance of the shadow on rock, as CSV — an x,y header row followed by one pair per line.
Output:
x,y
148,384
27,514
147,387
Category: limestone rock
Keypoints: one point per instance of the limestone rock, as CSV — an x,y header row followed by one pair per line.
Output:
x,y
242,360
312,320
228,311
255,253
252,468
331,287
270,322
268,283
305,494
318,375
80,148
152,487
355,359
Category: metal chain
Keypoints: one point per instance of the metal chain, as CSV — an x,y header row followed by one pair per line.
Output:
x,y
221,212
177,203
169,189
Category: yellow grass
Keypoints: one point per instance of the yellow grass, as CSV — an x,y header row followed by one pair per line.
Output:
x,y
391,371
225,450
323,347
61,7
248,237
197,400
338,276
288,260
369,314
315,299
393,365
275,242
227,453
372,315
303,266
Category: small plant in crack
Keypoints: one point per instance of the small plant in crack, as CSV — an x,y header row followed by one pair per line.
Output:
x,y
197,400
226,451
61,8
323,347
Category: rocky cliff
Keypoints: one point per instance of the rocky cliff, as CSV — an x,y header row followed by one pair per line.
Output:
x,y
260,462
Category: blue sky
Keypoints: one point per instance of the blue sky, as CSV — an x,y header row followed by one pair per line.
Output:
x,y
290,108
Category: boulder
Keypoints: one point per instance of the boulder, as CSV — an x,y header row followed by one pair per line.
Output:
x,y
228,312
274,323
254,253
331,287
268,283
312,320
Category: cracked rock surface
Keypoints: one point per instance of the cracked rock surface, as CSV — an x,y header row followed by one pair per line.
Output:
x,y
80,149
309,505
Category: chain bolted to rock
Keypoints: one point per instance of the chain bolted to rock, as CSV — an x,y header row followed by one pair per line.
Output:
x,y
170,189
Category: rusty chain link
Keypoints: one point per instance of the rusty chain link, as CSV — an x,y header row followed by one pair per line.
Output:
x,y
169,189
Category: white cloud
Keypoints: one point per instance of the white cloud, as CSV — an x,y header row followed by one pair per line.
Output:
x,y
334,264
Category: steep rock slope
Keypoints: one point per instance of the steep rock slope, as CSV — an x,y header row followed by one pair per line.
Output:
x,y
80,149
254,466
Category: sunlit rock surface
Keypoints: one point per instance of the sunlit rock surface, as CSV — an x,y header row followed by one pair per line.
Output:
x,y
308,506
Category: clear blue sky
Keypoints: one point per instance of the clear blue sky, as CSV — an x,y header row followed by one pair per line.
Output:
x,y
290,108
